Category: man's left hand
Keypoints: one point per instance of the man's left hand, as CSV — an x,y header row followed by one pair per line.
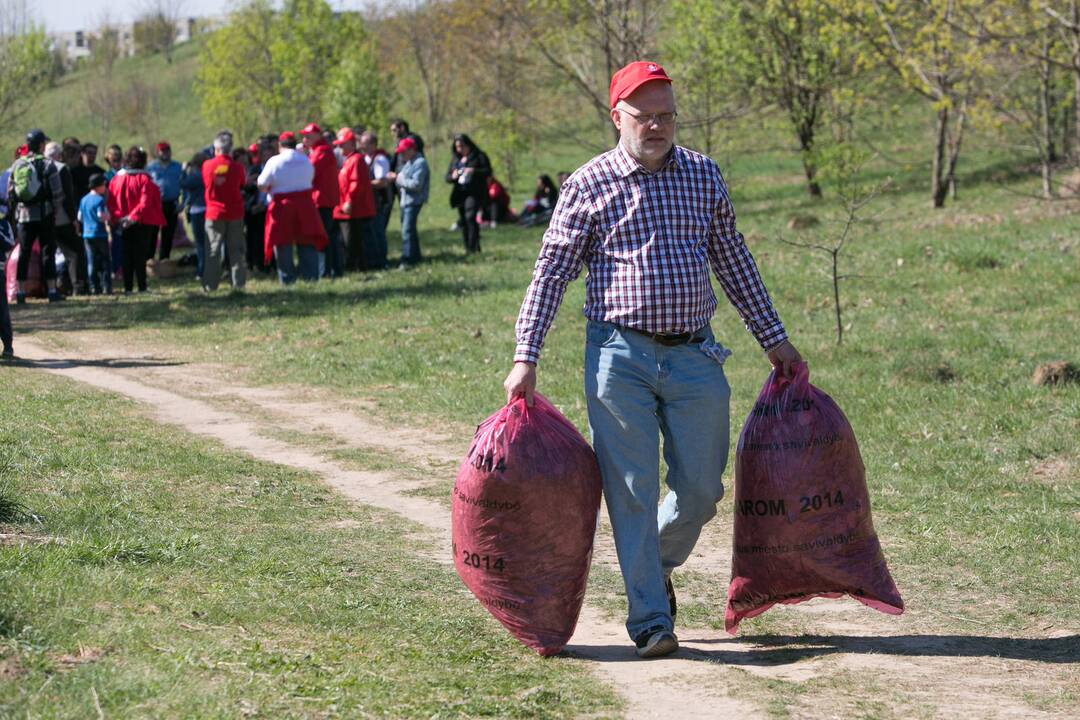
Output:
x,y
783,357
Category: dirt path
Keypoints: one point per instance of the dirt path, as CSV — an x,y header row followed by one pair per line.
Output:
x,y
712,676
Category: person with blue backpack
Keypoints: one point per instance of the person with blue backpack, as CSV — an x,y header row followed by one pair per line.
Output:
x,y
34,191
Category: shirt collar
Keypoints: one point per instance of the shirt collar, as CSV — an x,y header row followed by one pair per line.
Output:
x,y
627,165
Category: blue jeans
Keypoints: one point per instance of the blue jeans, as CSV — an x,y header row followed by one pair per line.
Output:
x,y
410,241
636,391
198,239
331,262
98,265
309,263
378,224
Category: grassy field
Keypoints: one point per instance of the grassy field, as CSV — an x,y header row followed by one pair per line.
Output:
x,y
179,580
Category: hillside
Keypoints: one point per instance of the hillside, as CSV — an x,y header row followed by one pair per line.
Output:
x,y
68,109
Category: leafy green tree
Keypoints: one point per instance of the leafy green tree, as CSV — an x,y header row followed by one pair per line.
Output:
x,y
705,97
270,69
926,46
154,31
26,65
790,54
358,92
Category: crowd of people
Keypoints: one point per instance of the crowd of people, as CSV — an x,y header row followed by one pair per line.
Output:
x,y
307,205
310,204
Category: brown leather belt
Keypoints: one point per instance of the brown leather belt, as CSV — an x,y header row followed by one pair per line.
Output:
x,y
673,339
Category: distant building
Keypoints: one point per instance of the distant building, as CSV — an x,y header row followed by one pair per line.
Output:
x,y
78,44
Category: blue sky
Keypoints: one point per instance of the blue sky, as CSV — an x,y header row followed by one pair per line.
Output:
x,y
64,15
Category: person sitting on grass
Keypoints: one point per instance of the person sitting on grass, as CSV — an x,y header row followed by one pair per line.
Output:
x,y
497,208
538,209
94,217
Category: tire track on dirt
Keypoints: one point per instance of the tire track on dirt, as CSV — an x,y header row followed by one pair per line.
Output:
x,y
696,682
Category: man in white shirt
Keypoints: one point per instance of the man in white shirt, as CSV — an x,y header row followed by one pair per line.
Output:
x,y
383,187
292,218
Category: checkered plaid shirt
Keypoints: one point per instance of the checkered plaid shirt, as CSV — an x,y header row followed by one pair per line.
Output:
x,y
648,240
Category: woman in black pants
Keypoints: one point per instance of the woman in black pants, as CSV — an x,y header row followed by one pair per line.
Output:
x,y
469,170
135,205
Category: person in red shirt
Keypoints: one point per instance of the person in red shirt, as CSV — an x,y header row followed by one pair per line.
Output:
x,y
224,179
355,214
326,194
134,204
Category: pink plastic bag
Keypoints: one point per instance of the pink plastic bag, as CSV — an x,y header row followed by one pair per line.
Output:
x,y
34,285
525,508
802,510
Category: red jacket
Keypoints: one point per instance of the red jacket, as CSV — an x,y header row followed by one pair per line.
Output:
x,y
224,201
324,186
354,184
497,193
134,195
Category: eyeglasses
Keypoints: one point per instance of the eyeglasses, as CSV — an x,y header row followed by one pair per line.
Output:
x,y
647,119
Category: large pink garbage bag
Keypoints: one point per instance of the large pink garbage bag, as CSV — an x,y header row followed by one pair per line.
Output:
x,y
525,508
34,285
802,509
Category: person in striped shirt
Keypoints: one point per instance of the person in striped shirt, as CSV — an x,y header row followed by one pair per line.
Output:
x,y
650,219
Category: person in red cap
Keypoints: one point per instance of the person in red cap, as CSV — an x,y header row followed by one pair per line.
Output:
x,y
326,194
413,181
356,212
224,179
291,218
650,219
167,174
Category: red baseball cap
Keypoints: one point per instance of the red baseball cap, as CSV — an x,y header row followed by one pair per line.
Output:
x,y
253,148
163,146
628,79
311,128
345,135
407,143
287,135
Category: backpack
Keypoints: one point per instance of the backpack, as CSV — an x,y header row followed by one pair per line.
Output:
x,y
28,180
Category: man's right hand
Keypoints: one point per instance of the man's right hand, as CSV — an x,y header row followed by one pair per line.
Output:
x,y
521,381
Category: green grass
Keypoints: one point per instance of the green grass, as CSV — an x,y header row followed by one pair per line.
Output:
x,y
185,581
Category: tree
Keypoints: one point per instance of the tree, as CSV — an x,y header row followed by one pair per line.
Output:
x,y
429,59
1064,18
924,44
100,91
705,98
26,61
154,30
269,69
357,92
842,166
579,44
786,53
